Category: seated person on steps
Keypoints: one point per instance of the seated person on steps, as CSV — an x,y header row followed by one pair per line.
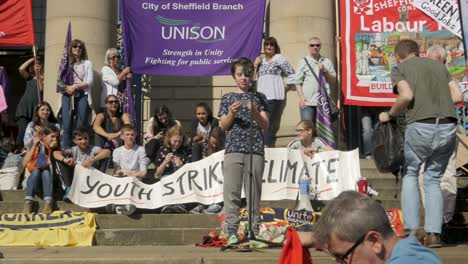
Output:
x,y
129,161
84,153
37,162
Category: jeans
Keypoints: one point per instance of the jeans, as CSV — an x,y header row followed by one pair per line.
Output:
x,y
22,125
368,123
309,113
35,180
274,109
75,119
432,144
448,186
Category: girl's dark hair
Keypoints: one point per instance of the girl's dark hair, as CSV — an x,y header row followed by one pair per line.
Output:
x,y
37,120
220,137
272,41
207,109
157,125
49,129
307,124
31,71
246,63
84,53
119,110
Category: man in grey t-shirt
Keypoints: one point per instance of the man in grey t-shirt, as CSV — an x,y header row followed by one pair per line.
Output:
x,y
424,88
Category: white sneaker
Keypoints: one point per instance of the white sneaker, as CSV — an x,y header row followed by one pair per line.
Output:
x,y
120,209
213,209
130,209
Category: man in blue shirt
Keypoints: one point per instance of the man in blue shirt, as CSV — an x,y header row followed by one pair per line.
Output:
x,y
354,228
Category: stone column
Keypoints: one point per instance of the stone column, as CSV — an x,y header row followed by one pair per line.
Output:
x,y
94,22
293,24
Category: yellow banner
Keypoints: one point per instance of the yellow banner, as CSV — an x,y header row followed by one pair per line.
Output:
x,y
57,229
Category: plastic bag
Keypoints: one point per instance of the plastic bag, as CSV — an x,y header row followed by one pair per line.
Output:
x,y
388,147
11,172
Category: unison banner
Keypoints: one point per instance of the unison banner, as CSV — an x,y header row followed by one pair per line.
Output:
x,y
464,21
331,172
190,38
370,30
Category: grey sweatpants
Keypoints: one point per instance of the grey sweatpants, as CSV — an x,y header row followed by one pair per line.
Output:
x,y
236,171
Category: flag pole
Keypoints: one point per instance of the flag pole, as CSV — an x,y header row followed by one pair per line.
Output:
x,y
338,69
39,85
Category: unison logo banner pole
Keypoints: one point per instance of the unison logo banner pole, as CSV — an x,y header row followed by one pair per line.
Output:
x,y
190,38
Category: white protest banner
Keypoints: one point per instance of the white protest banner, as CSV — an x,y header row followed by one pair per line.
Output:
x,y
444,12
331,172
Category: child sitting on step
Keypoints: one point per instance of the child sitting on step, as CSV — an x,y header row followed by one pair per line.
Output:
x,y
129,161
84,153
37,162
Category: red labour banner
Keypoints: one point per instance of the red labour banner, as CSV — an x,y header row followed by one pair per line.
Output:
x,y
370,30
16,23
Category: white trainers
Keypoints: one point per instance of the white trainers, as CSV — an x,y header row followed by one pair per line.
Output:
x,y
213,209
120,209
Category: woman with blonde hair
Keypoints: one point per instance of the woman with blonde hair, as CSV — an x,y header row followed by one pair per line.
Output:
x,y
113,76
174,153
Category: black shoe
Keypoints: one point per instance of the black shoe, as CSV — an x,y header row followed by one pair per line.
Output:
x,y
433,240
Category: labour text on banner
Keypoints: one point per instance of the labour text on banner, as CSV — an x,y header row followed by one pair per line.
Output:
x,y
370,30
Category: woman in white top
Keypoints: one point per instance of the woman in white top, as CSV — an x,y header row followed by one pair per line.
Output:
x,y
270,70
76,93
112,76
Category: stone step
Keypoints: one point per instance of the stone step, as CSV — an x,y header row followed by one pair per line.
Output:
x,y
17,207
113,221
373,173
173,254
150,236
454,235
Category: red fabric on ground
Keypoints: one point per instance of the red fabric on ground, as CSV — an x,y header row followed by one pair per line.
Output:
x,y
293,252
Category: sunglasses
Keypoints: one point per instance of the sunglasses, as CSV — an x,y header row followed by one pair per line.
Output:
x,y
314,45
76,46
115,57
113,102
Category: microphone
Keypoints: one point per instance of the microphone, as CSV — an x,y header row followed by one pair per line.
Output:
x,y
248,72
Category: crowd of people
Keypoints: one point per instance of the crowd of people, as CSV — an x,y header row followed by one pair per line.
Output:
x,y
246,123
53,145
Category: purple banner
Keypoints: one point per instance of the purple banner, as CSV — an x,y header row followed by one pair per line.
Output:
x,y
464,23
190,38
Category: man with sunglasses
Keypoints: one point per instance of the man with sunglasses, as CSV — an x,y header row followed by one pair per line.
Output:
x,y
308,73
354,228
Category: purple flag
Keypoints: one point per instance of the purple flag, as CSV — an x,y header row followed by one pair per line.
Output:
x,y
65,74
464,23
324,124
128,104
190,38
